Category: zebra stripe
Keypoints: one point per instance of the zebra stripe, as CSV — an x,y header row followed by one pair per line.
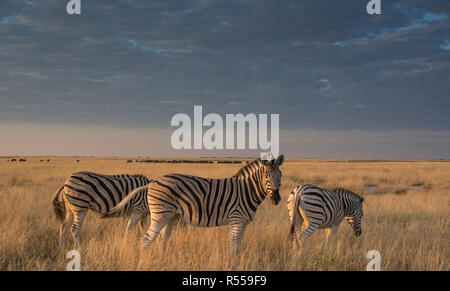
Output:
x,y
210,202
324,209
86,191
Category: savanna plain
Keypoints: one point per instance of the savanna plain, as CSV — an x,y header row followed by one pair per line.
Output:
x,y
406,218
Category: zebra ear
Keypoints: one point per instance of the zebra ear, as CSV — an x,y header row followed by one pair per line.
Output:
x,y
280,160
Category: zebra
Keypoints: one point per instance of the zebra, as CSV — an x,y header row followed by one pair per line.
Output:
x,y
323,209
209,202
84,191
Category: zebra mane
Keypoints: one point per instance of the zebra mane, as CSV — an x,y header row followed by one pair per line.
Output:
x,y
140,176
243,170
346,191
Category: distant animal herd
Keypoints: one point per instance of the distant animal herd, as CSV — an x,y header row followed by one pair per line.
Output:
x,y
203,202
190,161
162,161
24,160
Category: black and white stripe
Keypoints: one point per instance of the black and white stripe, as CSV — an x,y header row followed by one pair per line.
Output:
x,y
210,202
316,208
86,191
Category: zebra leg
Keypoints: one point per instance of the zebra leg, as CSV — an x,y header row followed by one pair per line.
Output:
x,y
155,228
237,230
330,234
304,234
165,234
64,227
298,227
132,220
179,222
143,223
76,226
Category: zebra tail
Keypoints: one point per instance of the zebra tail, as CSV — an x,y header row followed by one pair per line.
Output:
x,y
295,211
59,206
121,205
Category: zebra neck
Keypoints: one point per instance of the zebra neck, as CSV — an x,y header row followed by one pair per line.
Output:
x,y
254,187
348,204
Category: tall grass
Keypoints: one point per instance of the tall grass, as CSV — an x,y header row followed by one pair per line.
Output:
x,y
406,218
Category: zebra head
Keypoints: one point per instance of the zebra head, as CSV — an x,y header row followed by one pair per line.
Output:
x,y
272,178
355,216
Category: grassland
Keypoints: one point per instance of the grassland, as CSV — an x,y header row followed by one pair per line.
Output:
x,y
407,219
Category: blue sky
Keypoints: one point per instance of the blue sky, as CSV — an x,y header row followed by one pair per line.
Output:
x,y
326,67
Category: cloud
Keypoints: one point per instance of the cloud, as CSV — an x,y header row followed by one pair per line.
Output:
x,y
311,65
445,45
416,19
326,83
13,20
144,47
418,67
28,75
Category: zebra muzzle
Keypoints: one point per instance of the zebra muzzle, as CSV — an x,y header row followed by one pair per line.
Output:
x,y
276,198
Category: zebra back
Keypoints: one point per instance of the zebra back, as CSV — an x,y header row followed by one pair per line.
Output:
x,y
352,202
322,206
210,202
100,193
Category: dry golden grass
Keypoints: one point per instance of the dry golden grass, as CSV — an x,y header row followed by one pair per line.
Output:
x,y
407,219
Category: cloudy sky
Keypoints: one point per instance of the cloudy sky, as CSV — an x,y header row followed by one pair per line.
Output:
x,y
108,81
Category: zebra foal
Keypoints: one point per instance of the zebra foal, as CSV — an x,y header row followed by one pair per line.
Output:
x,y
86,191
210,202
324,209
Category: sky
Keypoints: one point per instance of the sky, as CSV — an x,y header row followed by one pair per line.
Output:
x,y
107,82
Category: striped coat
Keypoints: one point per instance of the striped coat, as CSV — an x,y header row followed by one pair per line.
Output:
x,y
317,208
86,191
210,202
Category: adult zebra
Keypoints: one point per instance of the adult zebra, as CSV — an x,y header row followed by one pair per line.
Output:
x,y
210,202
323,209
86,191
